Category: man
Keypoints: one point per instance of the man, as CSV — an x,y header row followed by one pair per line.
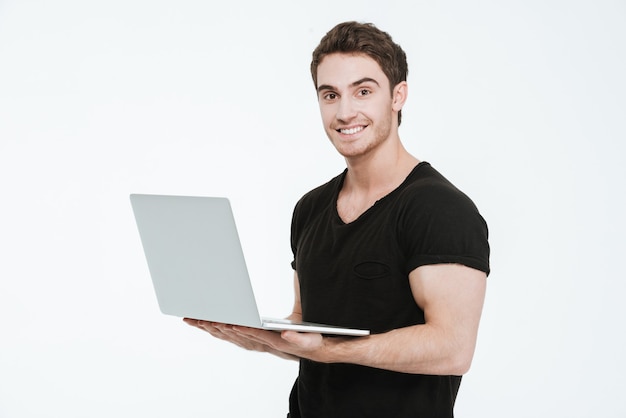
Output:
x,y
388,245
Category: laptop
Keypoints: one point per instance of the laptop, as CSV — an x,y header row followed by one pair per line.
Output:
x,y
197,264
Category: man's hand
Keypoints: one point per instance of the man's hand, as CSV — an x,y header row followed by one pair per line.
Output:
x,y
283,345
298,344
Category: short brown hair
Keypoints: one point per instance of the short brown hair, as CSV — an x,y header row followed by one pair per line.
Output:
x,y
363,38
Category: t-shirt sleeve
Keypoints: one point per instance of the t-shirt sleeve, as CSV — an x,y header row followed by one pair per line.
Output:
x,y
442,225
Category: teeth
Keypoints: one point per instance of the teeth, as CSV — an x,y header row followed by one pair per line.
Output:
x,y
351,131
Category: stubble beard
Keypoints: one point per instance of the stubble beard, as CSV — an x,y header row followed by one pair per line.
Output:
x,y
376,136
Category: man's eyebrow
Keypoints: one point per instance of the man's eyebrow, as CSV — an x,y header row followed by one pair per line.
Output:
x,y
363,80
325,87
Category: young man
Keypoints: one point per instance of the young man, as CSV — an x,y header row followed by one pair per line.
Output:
x,y
388,245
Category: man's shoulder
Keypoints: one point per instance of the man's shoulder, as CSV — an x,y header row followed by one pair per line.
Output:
x,y
426,179
428,187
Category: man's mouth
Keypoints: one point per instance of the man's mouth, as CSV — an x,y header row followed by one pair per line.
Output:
x,y
351,131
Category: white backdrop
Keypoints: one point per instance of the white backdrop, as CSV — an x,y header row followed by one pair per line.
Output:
x,y
520,103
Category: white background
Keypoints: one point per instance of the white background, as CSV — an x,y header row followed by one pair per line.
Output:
x,y
519,103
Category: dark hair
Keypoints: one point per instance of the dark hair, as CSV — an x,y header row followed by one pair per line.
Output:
x,y
363,38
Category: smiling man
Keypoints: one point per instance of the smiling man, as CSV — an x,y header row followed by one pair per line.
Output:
x,y
388,245
355,108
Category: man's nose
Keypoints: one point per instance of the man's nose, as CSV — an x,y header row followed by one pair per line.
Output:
x,y
346,109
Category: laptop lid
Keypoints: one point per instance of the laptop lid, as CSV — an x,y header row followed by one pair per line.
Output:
x,y
195,258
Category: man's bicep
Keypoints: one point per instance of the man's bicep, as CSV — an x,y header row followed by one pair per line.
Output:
x,y
451,296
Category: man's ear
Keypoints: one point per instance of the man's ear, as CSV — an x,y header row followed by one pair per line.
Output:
x,y
399,95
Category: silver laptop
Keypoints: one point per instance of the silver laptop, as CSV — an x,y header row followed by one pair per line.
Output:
x,y
197,264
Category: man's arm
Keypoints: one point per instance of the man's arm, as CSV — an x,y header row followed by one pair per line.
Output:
x,y
451,296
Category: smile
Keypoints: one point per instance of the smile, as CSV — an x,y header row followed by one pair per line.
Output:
x,y
351,131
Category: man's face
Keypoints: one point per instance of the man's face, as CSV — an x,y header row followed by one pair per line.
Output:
x,y
355,103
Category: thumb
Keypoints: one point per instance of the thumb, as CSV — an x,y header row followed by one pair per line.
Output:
x,y
302,339
293,337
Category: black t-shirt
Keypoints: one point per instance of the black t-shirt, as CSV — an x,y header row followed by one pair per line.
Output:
x,y
356,275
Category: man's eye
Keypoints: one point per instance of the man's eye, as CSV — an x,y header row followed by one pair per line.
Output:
x,y
364,92
330,96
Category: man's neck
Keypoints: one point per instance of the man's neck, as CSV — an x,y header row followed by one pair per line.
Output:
x,y
379,173
370,178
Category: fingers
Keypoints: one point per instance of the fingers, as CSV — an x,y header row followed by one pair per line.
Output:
x,y
227,332
210,327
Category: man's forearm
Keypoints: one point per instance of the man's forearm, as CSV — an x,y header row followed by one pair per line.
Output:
x,y
423,349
